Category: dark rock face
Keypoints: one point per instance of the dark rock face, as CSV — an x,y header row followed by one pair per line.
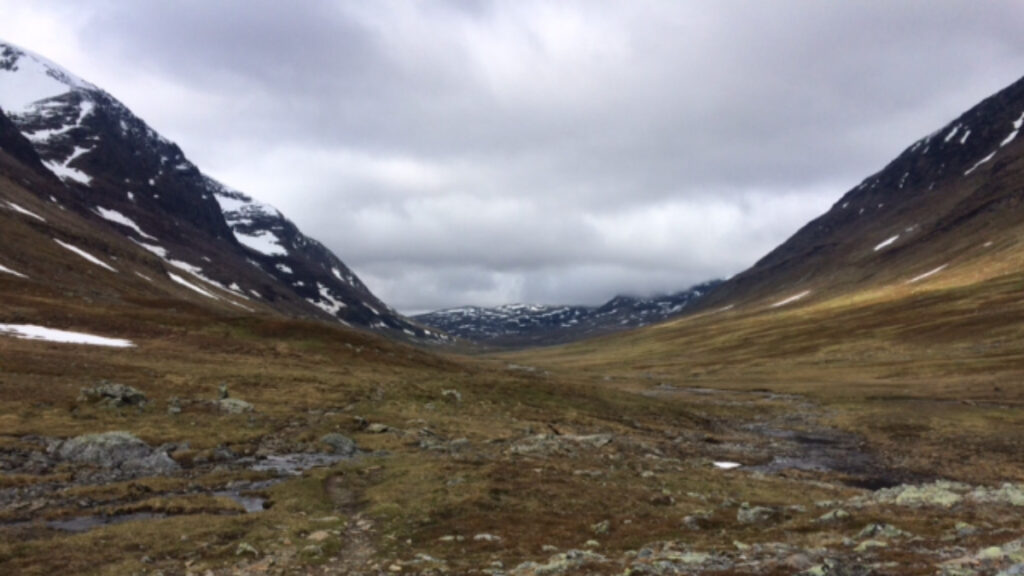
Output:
x,y
950,190
119,172
524,325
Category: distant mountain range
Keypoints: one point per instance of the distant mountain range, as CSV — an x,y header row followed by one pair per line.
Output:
x,y
536,325
208,242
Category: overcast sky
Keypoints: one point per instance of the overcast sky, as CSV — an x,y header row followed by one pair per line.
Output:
x,y
478,152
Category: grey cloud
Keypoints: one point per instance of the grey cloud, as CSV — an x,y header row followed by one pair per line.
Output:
x,y
468,152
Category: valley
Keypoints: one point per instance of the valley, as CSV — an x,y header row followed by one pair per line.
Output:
x,y
191,385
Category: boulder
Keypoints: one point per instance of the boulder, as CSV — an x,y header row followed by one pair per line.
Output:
x,y
112,395
233,405
748,514
339,444
116,451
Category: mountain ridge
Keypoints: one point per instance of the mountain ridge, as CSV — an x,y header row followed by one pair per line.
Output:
x,y
516,325
119,172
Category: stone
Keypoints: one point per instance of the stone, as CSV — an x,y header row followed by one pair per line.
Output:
x,y
748,514
451,396
1010,494
834,517
377,428
601,528
871,545
486,538
116,451
112,395
319,536
339,444
222,392
233,406
246,548
569,562
886,531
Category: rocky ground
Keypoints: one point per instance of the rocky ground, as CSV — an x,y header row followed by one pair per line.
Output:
x,y
811,499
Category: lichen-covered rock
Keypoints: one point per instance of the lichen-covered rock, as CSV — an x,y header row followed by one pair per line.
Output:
x,y
748,514
882,531
233,406
547,445
339,444
1011,494
116,451
558,564
834,517
112,395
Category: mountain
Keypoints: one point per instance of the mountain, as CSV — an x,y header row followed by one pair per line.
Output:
x,y
537,325
951,200
117,172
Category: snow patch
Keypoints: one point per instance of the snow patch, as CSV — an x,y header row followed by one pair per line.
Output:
x,y
927,274
1016,128
886,243
284,268
7,270
24,211
64,171
158,250
979,163
726,465
264,242
191,286
33,78
85,255
32,332
119,218
791,299
331,305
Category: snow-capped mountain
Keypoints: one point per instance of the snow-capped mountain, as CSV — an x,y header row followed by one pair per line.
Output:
x,y
118,172
531,324
949,201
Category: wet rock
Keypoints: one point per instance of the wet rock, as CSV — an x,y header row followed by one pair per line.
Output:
x,y
116,451
233,405
112,395
339,444
748,514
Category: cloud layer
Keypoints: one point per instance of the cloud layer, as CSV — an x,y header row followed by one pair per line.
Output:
x,y
478,152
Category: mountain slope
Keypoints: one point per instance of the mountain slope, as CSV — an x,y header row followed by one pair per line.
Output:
x,y
951,198
526,325
118,172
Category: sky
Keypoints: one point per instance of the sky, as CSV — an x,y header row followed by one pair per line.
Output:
x,y
475,152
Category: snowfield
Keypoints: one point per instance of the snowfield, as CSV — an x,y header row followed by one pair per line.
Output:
x,y
32,332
